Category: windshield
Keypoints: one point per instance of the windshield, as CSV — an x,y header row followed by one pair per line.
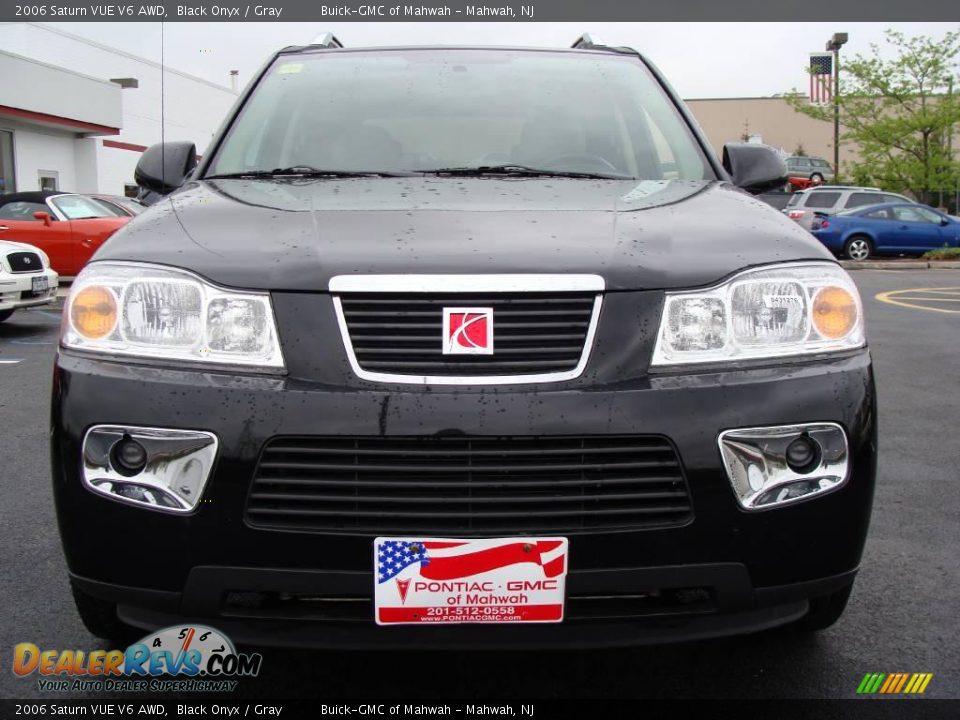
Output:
x,y
77,207
429,110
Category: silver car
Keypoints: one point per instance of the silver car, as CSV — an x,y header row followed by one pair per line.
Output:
x,y
832,199
812,168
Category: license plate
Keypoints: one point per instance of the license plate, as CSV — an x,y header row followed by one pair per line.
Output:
x,y
39,285
421,580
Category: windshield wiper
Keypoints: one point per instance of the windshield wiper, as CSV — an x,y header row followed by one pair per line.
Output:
x,y
514,170
308,172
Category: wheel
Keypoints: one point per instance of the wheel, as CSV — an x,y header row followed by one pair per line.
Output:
x,y
100,618
816,178
4,314
824,611
859,247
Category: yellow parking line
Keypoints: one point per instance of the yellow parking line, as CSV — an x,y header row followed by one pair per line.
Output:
x,y
897,297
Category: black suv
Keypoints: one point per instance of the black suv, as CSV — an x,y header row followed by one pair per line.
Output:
x,y
462,336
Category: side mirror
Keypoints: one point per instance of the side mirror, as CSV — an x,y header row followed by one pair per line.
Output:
x,y
164,167
43,216
755,168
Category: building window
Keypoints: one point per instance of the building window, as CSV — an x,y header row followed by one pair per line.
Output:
x,y
49,179
8,179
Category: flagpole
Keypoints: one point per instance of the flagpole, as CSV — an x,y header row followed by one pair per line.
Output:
x,y
834,44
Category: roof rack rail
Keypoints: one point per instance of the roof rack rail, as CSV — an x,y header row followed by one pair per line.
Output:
x,y
587,42
327,40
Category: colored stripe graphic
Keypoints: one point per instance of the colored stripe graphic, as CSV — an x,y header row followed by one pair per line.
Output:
x,y
894,683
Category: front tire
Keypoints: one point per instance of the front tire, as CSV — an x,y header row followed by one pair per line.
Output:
x,y
100,618
5,314
816,178
859,248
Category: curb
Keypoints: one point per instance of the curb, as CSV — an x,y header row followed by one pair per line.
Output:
x,y
902,265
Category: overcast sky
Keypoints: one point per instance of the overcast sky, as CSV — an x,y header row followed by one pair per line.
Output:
x,y
700,59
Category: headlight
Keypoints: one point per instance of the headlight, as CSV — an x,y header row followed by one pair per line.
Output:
x,y
779,311
161,313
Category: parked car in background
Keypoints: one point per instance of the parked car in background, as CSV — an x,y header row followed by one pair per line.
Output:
x,y
814,169
892,228
26,279
68,227
124,206
833,199
777,199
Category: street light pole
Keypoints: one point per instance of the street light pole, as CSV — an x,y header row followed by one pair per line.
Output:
x,y
833,45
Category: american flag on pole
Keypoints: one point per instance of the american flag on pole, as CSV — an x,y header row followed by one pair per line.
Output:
x,y
821,78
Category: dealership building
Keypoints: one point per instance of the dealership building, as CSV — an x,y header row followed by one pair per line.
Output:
x,y
76,114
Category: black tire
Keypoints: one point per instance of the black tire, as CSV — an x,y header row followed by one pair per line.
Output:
x,y
4,314
100,618
816,177
858,247
824,611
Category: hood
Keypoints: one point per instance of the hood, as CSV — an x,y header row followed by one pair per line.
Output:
x,y
295,234
8,246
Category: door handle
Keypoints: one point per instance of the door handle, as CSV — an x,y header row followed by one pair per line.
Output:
x,y
87,241
4,227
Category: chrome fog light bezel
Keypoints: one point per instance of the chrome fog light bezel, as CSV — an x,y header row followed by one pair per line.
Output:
x,y
754,460
174,478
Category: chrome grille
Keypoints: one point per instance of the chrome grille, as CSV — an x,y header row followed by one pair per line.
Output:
x,y
535,334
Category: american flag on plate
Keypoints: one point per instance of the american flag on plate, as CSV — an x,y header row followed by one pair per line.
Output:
x,y
443,560
821,78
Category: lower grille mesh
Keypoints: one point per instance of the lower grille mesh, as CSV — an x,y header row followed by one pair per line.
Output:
x,y
468,485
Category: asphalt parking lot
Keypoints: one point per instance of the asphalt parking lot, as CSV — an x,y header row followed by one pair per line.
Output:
x,y
901,618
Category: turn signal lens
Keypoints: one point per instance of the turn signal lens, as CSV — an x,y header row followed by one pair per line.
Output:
x,y
93,312
834,312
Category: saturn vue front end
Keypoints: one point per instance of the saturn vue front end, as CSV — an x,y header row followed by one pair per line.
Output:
x,y
497,305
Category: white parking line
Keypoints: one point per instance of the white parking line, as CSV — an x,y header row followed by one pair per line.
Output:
x,y
10,362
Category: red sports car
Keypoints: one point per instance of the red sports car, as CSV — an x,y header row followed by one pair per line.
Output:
x,y
68,228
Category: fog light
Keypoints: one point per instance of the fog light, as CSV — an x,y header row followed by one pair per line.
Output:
x,y
128,456
803,455
772,466
156,468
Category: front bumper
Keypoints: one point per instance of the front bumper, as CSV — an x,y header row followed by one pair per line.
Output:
x,y
16,290
758,568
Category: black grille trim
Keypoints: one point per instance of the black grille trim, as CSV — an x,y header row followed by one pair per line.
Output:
x,y
401,334
24,262
468,486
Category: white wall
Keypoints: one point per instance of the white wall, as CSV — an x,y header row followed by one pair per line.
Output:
x,y
35,150
85,155
116,168
40,87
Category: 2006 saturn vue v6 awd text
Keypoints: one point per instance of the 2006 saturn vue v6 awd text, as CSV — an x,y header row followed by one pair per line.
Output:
x,y
464,337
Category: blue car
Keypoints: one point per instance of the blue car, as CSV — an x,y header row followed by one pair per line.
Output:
x,y
891,228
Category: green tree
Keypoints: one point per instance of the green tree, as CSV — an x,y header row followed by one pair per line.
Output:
x,y
902,114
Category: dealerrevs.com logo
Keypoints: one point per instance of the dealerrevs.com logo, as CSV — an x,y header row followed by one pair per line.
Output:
x,y
192,658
